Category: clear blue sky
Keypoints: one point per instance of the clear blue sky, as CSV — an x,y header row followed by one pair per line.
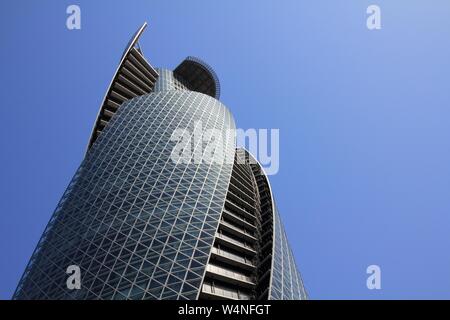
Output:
x,y
363,117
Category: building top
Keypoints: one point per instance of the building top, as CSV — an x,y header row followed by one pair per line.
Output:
x,y
135,76
198,76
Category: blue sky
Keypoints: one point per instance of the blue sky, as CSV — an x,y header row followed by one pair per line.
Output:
x,y
363,116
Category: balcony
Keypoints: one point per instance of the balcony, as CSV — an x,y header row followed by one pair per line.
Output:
x,y
238,220
237,231
239,210
240,169
233,259
238,187
236,197
214,292
229,276
238,176
235,244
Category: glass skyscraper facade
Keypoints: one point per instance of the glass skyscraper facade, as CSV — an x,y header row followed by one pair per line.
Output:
x,y
140,225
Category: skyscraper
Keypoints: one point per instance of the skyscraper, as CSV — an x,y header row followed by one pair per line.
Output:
x,y
140,225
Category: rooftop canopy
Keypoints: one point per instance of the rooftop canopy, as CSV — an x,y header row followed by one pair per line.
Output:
x,y
198,76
